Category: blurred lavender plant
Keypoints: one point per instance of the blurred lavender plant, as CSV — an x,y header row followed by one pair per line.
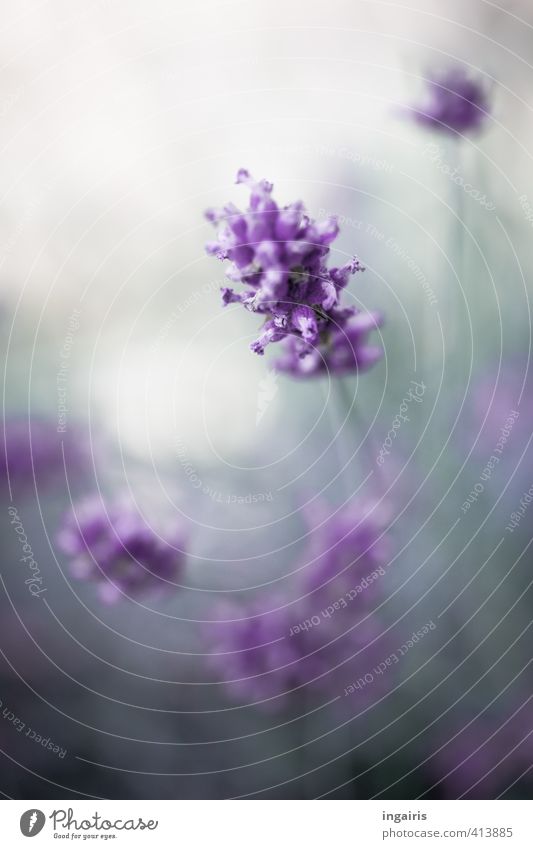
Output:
x,y
279,255
500,407
486,756
271,652
32,452
456,103
117,549
496,429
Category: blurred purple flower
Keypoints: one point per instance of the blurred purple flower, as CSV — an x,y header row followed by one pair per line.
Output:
x,y
500,406
279,255
116,548
456,103
270,651
486,755
495,426
35,448
346,545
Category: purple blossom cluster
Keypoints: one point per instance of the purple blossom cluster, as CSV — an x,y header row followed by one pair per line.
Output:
x,y
269,651
117,549
280,256
456,103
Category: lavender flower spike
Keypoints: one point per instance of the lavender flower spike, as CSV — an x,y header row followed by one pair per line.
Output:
x,y
269,651
116,548
280,256
456,103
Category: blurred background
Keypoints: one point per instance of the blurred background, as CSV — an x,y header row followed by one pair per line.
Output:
x,y
121,122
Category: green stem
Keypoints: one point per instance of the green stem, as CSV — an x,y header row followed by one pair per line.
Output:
x,y
457,324
365,451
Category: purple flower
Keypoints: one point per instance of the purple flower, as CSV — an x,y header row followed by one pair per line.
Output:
x,y
456,102
115,547
346,545
499,406
32,452
485,756
279,255
495,429
345,349
269,652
